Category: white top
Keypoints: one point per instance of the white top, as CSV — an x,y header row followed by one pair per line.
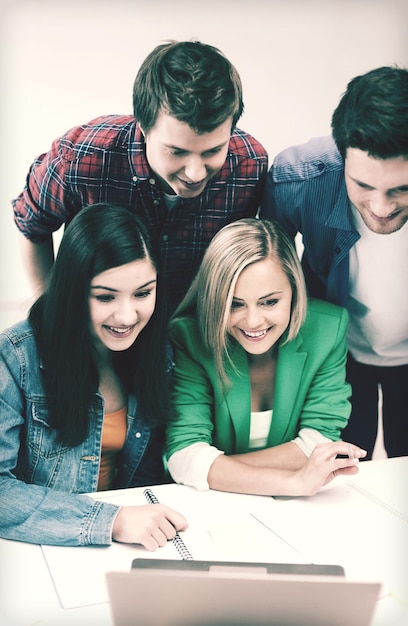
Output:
x,y
259,429
378,296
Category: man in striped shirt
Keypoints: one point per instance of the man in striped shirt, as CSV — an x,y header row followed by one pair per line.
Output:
x,y
348,196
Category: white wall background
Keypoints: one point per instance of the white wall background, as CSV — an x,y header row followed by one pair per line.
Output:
x,y
64,62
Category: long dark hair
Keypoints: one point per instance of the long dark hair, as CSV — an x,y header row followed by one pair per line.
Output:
x,y
100,237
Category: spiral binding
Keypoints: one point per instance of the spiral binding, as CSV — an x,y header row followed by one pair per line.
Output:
x,y
181,548
150,497
378,501
179,544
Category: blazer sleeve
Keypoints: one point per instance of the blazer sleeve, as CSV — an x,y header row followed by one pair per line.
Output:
x,y
192,395
326,406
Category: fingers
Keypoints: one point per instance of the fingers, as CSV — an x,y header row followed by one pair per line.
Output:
x,y
346,471
163,527
342,457
354,452
342,449
150,525
327,461
177,520
152,540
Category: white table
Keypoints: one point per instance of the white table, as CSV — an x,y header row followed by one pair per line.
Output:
x,y
36,582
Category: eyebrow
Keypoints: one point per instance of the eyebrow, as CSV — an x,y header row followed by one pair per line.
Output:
x,y
221,145
115,290
268,295
402,187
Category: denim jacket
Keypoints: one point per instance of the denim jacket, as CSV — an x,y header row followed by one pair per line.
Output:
x,y
41,480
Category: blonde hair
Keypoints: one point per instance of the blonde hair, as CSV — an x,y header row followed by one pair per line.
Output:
x,y
233,248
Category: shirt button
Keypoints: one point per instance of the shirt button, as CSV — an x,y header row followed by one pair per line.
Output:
x,y
138,435
156,202
152,181
165,237
135,179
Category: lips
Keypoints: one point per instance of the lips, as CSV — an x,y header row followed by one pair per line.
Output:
x,y
192,185
386,218
253,335
122,332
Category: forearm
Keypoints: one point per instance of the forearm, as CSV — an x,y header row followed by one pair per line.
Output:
x,y
230,473
38,259
287,456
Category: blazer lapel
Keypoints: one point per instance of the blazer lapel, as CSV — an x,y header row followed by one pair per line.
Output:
x,y
291,362
238,399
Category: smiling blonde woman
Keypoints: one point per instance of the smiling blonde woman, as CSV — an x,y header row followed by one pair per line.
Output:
x,y
259,395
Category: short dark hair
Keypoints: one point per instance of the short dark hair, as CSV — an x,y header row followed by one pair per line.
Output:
x,y
192,81
99,237
372,114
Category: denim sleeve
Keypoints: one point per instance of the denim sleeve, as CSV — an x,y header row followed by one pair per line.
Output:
x,y
30,512
42,515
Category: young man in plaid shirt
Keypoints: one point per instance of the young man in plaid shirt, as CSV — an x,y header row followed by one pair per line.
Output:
x,y
179,161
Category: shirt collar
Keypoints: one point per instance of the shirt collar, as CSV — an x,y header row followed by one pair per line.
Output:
x,y
138,154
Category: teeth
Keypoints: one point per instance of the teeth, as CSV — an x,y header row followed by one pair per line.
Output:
x,y
120,331
254,335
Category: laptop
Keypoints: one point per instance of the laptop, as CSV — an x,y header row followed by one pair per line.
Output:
x,y
159,592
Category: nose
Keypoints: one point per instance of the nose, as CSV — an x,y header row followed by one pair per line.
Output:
x,y
381,205
254,318
195,169
126,312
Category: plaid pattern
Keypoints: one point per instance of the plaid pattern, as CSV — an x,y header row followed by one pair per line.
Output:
x,y
104,161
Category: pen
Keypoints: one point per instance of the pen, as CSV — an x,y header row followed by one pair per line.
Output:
x,y
177,540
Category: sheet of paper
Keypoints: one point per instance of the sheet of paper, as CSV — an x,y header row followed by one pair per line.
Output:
x,y
340,525
385,480
221,527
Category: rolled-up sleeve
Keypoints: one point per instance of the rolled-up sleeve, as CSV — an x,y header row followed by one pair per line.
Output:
x,y
190,466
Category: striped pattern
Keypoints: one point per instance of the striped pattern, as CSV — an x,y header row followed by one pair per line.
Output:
x,y
305,191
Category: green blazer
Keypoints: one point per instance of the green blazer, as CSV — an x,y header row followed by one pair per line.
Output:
x,y
310,387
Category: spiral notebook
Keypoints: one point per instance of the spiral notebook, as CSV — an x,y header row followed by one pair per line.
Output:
x,y
221,527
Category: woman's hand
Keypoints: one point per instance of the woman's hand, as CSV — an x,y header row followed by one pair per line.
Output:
x,y
151,525
323,465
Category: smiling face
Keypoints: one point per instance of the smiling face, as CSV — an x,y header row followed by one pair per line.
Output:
x,y
183,160
121,303
378,188
261,306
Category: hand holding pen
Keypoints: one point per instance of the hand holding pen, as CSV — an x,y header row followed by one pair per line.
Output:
x,y
177,540
150,525
327,461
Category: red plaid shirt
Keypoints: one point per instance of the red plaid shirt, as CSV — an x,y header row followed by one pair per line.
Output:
x,y
104,161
